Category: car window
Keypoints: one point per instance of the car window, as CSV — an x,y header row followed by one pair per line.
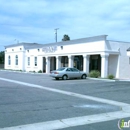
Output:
x,y
68,69
61,69
74,70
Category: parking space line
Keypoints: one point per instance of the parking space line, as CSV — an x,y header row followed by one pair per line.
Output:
x,y
111,102
76,121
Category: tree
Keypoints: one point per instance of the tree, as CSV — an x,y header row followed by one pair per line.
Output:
x,y
66,38
2,57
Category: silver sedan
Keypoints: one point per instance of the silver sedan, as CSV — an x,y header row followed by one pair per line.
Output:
x,y
67,73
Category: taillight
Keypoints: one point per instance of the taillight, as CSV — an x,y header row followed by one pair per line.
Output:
x,y
56,73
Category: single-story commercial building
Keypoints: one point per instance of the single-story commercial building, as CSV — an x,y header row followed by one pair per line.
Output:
x,y
92,53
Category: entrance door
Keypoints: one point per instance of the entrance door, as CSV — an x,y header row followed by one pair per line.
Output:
x,y
44,65
78,62
52,63
95,63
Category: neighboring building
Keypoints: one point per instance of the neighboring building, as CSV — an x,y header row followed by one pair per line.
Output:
x,y
93,53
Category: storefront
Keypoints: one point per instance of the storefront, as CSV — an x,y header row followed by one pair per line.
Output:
x,y
86,54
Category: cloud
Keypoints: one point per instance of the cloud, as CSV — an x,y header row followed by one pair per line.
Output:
x,y
36,20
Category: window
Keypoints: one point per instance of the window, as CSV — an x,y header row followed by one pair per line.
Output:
x,y
74,70
35,61
68,69
38,50
12,49
28,61
61,69
61,47
20,48
16,60
9,60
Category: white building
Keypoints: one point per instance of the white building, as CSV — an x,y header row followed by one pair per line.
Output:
x,y
93,53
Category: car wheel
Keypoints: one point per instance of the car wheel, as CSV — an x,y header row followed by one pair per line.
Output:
x,y
57,78
83,76
64,77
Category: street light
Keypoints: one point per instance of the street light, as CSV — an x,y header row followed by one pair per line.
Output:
x,y
56,33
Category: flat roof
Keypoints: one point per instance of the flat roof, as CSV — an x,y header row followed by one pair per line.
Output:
x,y
75,41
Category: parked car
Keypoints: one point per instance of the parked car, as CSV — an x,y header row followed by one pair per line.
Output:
x,y
67,73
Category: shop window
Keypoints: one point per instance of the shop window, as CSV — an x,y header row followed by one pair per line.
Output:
x,y
9,60
16,60
35,61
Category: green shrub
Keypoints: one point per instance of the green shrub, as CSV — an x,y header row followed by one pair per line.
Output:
x,y
40,71
94,73
110,76
34,71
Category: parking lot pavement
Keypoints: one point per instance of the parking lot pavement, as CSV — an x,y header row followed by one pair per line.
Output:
x,y
118,91
23,103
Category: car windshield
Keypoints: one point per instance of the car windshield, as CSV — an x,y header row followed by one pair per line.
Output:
x,y
61,69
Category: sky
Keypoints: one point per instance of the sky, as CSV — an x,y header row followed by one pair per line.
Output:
x,y
34,21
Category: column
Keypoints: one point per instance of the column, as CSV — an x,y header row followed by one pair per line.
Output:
x,y
58,62
71,61
23,61
86,63
104,65
47,64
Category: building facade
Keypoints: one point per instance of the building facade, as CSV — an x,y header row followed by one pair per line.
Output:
x,y
86,54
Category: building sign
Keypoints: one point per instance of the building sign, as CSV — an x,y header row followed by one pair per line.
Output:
x,y
49,49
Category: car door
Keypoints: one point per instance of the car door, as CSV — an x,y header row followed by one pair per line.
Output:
x,y
75,73
69,72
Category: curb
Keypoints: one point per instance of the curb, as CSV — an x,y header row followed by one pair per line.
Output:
x,y
109,80
25,72
100,79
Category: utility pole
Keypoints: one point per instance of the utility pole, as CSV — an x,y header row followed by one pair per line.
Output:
x,y
56,33
16,41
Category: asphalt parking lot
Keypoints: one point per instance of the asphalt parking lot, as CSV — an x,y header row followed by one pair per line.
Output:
x,y
23,104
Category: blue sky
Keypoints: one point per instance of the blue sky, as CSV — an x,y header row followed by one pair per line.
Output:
x,y
35,20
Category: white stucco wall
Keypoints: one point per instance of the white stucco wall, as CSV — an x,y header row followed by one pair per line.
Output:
x,y
128,53
12,52
113,65
124,66
76,49
118,59
32,54
70,49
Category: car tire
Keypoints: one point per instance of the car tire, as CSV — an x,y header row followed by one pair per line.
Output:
x,y
57,78
83,76
64,77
